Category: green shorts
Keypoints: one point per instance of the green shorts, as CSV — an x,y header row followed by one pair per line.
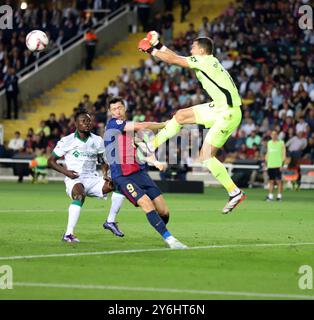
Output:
x,y
222,121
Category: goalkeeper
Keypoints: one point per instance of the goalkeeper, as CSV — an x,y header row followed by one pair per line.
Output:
x,y
222,115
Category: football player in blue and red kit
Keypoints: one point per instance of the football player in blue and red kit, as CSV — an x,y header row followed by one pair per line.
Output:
x,y
129,176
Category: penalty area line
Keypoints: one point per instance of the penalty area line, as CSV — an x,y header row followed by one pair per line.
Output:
x,y
94,253
163,290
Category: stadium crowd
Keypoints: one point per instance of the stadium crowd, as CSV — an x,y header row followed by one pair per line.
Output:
x,y
59,24
269,57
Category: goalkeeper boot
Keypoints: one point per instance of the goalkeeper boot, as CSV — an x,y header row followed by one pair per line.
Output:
x,y
233,202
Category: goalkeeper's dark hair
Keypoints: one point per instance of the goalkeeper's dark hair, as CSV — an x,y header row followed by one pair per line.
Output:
x,y
206,43
115,99
79,112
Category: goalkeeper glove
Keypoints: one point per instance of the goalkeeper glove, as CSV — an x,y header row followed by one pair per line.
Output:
x,y
153,38
145,46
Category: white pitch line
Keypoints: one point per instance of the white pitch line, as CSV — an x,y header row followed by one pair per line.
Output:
x,y
94,253
163,290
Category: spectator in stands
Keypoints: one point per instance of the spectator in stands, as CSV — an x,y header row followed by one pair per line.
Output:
x,y
30,132
53,138
204,30
298,84
191,34
17,143
40,141
157,23
185,9
252,139
43,127
11,91
28,59
296,145
63,121
52,123
144,11
301,126
61,39
167,27
113,89
309,150
138,116
310,119
86,104
285,109
90,45
248,126
29,143
101,115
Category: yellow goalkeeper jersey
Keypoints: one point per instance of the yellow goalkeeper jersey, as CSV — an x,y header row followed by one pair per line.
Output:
x,y
216,80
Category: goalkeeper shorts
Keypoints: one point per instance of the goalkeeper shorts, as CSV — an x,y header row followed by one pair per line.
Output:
x,y
222,121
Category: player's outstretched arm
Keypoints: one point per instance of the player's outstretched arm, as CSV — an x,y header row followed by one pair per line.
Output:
x,y
152,45
137,126
52,162
163,54
170,57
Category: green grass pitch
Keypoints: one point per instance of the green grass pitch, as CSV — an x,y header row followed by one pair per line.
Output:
x,y
33,218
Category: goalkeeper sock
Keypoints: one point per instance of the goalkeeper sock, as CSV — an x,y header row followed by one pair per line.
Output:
x,y
74,214
116,203
155,220
219,171
170,130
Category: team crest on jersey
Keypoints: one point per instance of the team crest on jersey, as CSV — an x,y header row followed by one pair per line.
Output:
x,y
76,154
93,146
119,121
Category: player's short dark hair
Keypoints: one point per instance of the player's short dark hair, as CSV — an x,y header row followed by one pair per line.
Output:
x,y
79,113
115,99
206,43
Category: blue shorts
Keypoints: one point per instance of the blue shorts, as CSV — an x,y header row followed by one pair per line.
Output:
x,y
136,185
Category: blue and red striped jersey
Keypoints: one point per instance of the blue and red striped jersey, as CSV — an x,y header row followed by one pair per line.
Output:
x,y
120,149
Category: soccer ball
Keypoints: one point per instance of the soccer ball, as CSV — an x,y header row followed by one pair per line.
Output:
x,y
36,40
153,37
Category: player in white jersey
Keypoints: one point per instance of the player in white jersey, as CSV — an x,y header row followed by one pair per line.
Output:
x,y
81,151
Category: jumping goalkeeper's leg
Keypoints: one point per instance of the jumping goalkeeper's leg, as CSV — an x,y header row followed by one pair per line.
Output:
x,y
219,171
173,127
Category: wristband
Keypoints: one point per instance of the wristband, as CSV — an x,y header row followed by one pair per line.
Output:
x,y
158,46
150,50
154,51
163,48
